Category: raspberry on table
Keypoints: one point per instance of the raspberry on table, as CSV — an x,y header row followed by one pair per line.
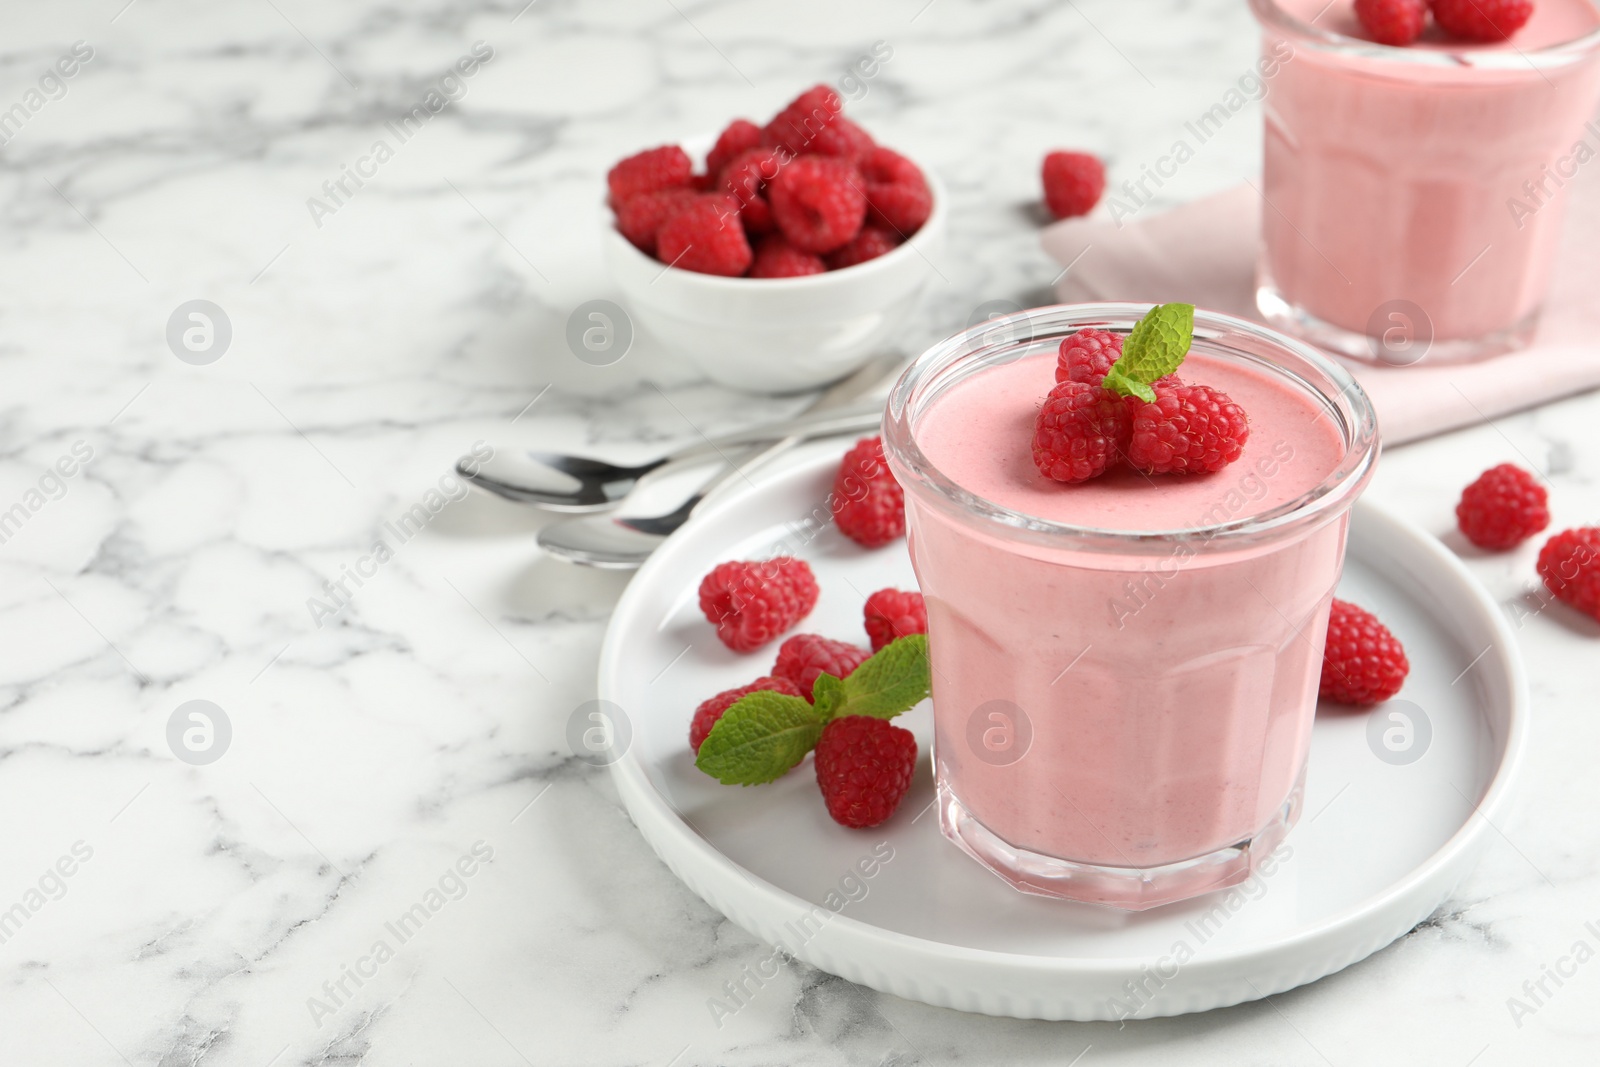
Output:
x,y
804,656
803,120
1190,429
747,177
864,767
1081,432
709,711
645,172
776,258
740,136
1086,355
818,203
890,614
1073,183
640,218
1482,20
898,197
704,235
1392,22
870,243
867,503
751,603
1569,563
1362,662
1503,508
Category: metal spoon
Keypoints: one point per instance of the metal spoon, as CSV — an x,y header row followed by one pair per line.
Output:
x,y
625,542
579,484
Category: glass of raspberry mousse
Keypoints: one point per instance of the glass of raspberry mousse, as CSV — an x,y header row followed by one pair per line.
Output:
x,y
1414,195
1125,670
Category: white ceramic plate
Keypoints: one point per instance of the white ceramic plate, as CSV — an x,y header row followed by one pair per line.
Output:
x,y
1380,845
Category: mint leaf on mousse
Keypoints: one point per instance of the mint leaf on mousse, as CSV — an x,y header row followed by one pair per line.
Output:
x,y
763,735
1154,349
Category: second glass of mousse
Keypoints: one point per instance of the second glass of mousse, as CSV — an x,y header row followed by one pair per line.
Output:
x,y
1125,670
1414,195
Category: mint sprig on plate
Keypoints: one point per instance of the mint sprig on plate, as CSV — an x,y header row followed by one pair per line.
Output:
x,y
762,736
1154,349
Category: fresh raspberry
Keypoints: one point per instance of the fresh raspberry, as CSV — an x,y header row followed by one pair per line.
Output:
x,y
1396,22
746,178
804,656
896,191
702,183
1081,432
1362,662
817,203
751,603
705,236
864,768
1482,20
641,217
867,503
1503,508
890,613
870,243
1073,182
707,714
740,136
656,168
803,120
1086,355
1190,429
1569,563
777,258
842,139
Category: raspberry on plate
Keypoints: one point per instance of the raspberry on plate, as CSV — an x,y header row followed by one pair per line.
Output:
x,y
864,768
655,168
707,714
740,136
1503,508
751,603
1073,182
1190,429
891,614
1569,563
1482,20
640,218
1362,662
897,194
1081,432
803,120
746,178
776,258
867,502
1394,22
705,236
804,656
870,243
1086,355
818,203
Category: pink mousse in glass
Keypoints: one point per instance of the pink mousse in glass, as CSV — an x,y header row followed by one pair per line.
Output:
x,y
1125,670
1414,196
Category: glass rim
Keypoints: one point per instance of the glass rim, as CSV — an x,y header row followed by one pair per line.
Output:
x,y
1271,14
1329,498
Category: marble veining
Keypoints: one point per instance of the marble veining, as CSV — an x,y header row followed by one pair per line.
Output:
x,y
231,913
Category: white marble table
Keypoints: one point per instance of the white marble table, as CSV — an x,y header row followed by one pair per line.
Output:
x,y
410,739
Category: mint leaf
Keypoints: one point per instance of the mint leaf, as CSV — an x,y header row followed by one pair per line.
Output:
x,y
759,738
895,679
1154,349
827,694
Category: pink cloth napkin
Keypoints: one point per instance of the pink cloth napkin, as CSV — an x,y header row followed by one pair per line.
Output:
x,y
1204,253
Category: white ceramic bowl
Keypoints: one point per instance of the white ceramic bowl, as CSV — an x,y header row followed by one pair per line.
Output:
x,y
779,335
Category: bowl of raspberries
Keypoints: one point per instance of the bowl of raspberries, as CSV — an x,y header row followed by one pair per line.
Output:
x,y
784,256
